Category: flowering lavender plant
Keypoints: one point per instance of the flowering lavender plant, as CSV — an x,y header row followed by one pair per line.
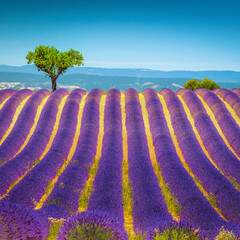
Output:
x,y
8,110
149,208
22,126
63,200
107,194
227,197
29,156
18,222
227,124
92,225
222,156
6,93
44,172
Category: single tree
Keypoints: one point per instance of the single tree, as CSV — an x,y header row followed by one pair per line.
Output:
x,y
53,62
192,84
206,83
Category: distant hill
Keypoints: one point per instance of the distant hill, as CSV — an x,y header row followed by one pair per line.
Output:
x,y
217,76
105,79
87,82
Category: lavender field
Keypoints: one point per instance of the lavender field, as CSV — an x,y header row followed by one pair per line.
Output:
x,y
119,165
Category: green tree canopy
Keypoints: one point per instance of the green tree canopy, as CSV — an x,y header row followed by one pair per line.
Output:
x,y
206,83
192,84
195,84
53,62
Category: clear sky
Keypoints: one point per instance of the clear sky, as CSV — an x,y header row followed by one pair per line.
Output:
x,y
155,34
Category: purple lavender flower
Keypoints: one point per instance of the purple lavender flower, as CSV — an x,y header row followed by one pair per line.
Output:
x,y
8,110
227,197
180,230
225,160
227,124
5,93
18,222
231,98
17,167
236,90
149,208
195,209
107,194
92,225
42,174
63,200
22,126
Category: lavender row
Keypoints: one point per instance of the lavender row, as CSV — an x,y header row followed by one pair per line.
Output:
x,y
194,206
227,124
149,208
107,194
22,127
32,187
11,171
227,197
225,160
6,93
236,90
64,198
230,97
8,110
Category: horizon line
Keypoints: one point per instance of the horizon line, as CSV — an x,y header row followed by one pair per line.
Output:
x,y
134,68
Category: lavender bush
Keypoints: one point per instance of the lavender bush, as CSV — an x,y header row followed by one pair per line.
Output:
x,y
11,171
63,200
22,126
42,174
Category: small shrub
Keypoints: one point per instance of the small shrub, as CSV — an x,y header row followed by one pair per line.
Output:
x,y
224,234
18,222
92,225
195,84
177,231
192,84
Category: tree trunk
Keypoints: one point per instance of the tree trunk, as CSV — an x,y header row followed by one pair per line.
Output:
x,y
54,84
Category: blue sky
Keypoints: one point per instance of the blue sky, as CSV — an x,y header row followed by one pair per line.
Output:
x,y
163,35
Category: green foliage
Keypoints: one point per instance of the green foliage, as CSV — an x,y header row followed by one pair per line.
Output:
x,y
195,84
223,235
53,62
55,226
192,84
206,83
140,235
177,234
82,231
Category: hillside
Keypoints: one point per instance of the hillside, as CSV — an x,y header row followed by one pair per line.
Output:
x,y
120,164
89,81
218,76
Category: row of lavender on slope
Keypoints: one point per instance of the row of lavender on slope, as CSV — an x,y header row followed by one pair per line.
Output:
x,y
149,208
225,120
5,94
227,197
9,109
27,158
236,90
22,127
63,201
195,209
107,194
44,172
223,157
230,97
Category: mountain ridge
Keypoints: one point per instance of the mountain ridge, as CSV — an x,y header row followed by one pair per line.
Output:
x,y
214,75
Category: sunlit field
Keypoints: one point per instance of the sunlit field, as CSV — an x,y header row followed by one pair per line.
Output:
x,y
120,165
